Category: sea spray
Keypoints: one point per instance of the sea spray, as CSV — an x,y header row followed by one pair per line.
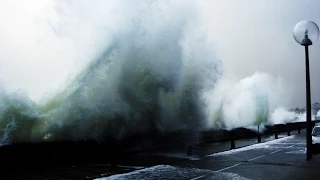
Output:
x,y
141,67
251,101
147,79
19,118
282,115
317,116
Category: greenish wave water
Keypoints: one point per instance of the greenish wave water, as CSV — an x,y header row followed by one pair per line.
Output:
x,y
154,71
141,83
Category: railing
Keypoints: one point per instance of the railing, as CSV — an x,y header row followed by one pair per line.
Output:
x,y
213,136
89,151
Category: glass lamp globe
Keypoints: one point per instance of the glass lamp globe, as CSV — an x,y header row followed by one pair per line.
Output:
x,y
306,32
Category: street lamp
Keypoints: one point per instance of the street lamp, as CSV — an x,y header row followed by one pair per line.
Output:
x,y
305,33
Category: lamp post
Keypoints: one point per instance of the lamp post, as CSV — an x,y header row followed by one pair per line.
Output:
x,y
306,32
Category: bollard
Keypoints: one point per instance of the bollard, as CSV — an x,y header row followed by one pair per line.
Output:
x,y
276,135
189,150
114,165
259,138
298,130
233,145
288,133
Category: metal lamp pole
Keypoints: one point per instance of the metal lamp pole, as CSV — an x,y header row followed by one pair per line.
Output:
x,y
306,43
306,33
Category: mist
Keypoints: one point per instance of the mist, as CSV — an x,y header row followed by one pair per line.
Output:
x,y
260,38
93,69
46,40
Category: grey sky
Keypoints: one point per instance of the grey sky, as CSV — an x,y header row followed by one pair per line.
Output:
x,y
249,36
257,36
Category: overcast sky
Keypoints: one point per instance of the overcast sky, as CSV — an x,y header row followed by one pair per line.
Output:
x,y
257,36
249,36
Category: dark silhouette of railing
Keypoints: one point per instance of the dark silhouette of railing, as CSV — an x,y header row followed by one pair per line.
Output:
x,y
110,151
219,135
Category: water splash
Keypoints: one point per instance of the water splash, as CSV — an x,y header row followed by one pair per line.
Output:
x,y
144,67
254,100
148,79
18,118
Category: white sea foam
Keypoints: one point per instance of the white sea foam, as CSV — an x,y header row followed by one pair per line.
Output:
x,y
265,145
171,172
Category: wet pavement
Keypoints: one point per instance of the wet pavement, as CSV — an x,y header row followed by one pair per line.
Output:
x,y
282,158
276,159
